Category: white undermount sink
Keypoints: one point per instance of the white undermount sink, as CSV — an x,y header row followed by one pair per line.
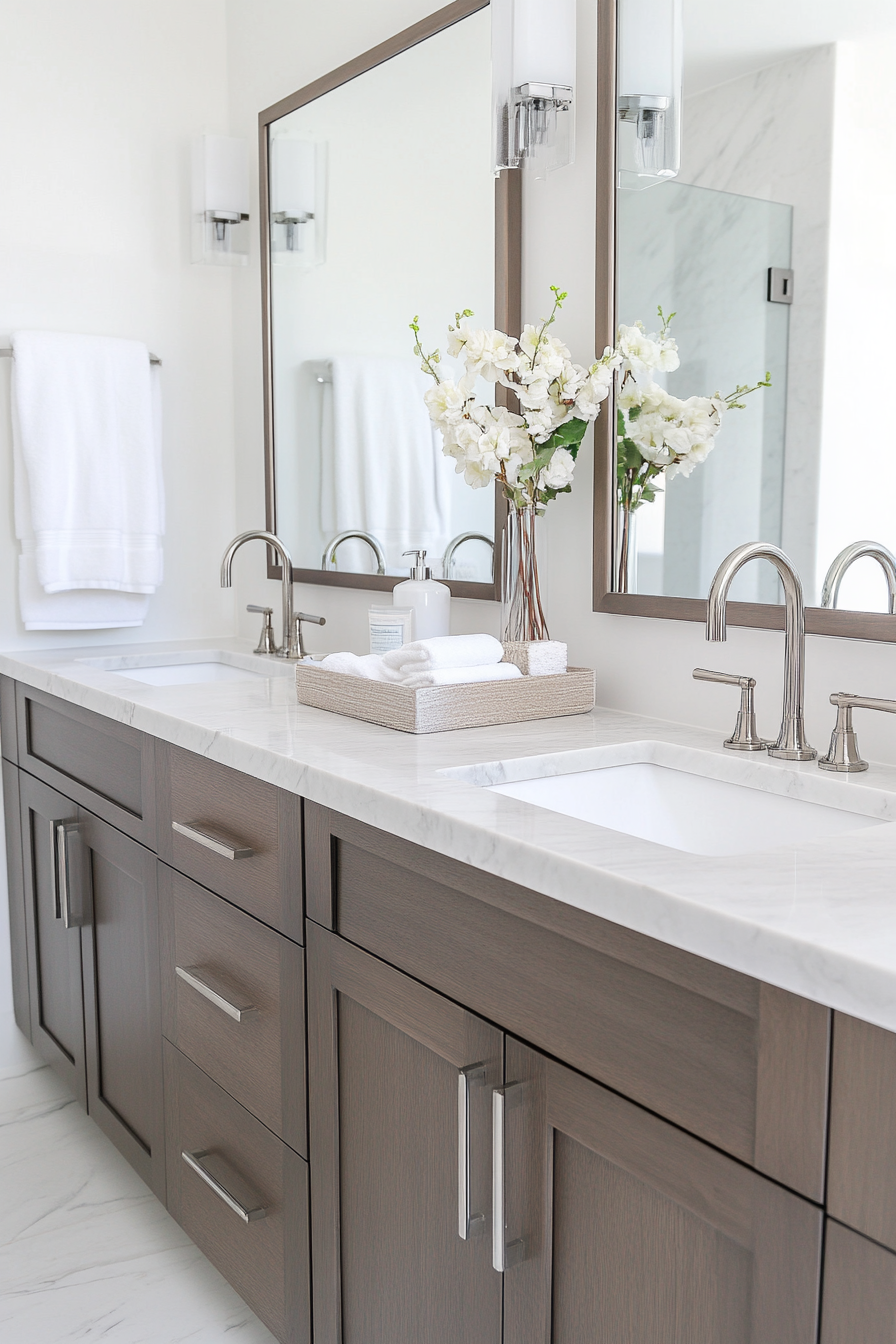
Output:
x,y
192,666
687,799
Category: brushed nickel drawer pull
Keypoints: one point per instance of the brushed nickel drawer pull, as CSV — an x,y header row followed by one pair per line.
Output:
x,y
469,1224
505,1254
213,989
66,831
216,843
246,1211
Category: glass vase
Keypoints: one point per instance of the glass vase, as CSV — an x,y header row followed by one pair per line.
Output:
x,y
626,577
522,617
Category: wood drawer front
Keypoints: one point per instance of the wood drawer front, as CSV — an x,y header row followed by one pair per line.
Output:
x,y
247,813
859,1299
105,766
862,1166
259,1060
265,1260
733,1061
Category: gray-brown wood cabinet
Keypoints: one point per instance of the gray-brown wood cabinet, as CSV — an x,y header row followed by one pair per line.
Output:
x,y
91,922
517,1123
609,1222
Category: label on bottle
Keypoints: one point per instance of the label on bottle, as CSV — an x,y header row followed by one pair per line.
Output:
x,y
384,638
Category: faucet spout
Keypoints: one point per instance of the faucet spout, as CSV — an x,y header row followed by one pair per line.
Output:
x,y
841,563
791,744
290,646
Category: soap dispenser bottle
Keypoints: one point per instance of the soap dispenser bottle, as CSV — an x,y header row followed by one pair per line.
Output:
x,y
430,601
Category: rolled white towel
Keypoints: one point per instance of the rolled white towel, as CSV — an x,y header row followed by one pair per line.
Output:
x,y
369,666
426,655
452,676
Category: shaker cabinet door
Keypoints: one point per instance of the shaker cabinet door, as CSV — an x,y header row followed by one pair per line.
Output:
x,y
122,1014
400,1143
53,934
622,1229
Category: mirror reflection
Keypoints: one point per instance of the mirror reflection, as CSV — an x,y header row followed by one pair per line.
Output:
x,y
382,208
756,194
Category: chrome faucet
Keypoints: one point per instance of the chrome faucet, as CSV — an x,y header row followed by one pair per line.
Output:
x,y
290,646
459,540
791,744
834,577
329,556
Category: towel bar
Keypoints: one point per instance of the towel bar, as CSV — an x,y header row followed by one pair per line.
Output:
x,y
6,352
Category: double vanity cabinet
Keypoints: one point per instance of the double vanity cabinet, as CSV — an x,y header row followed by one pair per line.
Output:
x,y
398,1100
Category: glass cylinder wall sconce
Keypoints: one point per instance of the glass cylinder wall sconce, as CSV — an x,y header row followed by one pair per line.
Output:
x,y
298,177
533,83
649,92
220,201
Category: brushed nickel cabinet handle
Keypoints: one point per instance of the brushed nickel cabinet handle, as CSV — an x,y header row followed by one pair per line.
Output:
x,y
65,830
218,844
469,1224
245,1209
213,989
504,1254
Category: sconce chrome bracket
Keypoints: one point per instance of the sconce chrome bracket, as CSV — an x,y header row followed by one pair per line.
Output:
x,y
532,117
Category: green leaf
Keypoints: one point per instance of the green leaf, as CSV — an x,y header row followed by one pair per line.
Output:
x,y
628,454
540,460
572,432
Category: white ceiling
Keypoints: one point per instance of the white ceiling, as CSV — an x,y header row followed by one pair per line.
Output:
x,y
727,38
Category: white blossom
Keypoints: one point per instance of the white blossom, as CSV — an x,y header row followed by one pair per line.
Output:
x,y
445,402
642,353
558,473
487,354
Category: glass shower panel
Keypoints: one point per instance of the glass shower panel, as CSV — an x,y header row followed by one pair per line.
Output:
x,y
705,255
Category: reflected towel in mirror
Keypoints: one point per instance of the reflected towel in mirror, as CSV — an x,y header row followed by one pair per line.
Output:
x,y
383,471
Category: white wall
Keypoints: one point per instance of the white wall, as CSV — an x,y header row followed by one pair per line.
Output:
x,y
98,102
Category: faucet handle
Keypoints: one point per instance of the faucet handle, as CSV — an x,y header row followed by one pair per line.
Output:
x,y
843,753
266,642
745,736
299,617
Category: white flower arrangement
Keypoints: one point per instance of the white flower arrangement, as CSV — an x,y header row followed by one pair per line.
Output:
x,y
658,434
531,454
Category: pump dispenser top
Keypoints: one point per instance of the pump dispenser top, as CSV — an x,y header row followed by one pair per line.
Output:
x,y
420,570
430,601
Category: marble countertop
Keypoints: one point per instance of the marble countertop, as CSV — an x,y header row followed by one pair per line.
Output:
x,y
816,918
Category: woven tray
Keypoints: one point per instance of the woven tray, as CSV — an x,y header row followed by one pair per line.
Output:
x,y
437,709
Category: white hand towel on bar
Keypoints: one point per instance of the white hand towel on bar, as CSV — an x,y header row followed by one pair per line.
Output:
x,y
452,676
424,655
90,493
384,471
78,609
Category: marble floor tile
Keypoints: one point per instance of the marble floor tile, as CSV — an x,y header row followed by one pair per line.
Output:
x,y
86,1252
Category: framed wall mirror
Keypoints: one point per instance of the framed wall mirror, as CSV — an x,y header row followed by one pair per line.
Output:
x,y
753,196
380,203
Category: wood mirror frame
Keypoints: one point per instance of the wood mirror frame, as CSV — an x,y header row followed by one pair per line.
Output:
x,y
819,620
508,279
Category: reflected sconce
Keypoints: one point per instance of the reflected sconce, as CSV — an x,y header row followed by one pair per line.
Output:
x,y
533,83
298,201
220,200
649,92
